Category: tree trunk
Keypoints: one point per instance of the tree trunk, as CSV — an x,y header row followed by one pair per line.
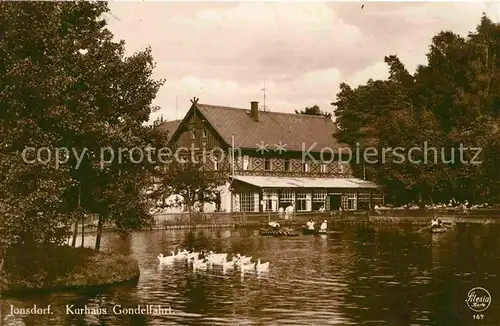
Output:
x,y
2,261
188,202
75,230
83,230
99,233
75,233
420,200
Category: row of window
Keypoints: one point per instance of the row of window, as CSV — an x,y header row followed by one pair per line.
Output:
x,y
268,166
306,167
304,201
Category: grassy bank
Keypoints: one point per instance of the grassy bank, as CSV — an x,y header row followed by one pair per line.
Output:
x,y
51,267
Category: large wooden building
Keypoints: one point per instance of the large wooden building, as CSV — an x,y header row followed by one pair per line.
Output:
x,y
279,159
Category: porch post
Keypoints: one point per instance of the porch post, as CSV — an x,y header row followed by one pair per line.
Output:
x,y
231,191
261,198
357,197
294,200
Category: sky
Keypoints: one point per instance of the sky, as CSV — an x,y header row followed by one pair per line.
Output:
x,y
226,53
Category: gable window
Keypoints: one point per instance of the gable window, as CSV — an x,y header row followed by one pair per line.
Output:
x,y
193,134
204,134
286,165
267,164
305,166
324,168
238,161
246,162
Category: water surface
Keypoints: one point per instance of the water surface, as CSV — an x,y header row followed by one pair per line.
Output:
x,y
359,275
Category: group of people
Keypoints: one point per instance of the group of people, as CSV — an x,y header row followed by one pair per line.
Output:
x,y
310,225
436,223
286,212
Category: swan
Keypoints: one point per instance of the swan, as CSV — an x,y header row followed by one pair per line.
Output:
x,y
262,267
177,255
228,264
218,259
246,267
213,254
182,253
244,259
199,264
192,255
165,259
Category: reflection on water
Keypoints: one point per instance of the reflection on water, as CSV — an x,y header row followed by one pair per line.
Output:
x,y
384,275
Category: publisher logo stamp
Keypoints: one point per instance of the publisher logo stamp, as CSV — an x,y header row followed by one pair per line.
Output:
x,y
478,299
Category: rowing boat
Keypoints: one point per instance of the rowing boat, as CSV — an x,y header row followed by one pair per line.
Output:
x,y
438,230
306,231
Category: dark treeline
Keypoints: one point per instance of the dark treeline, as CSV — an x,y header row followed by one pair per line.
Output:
x,y
452,102
67,84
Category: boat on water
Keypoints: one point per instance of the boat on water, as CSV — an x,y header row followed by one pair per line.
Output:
x,y
278,232
306,231
438,230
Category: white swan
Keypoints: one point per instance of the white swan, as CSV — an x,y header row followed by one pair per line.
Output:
x,y
262,267
228,264
213,254
192,255
246,267
199,264
244,259
217,259
177,255
165,259
182,253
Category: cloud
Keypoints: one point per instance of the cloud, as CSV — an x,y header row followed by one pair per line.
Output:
x,y
376,71
284,93
223,53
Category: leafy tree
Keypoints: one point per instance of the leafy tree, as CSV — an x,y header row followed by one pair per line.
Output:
x,y
314,110
68,85
188,179
450,102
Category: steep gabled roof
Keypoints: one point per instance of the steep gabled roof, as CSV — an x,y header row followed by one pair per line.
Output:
x,y
299,132
170,127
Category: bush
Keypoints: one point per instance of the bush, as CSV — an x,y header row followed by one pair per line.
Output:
x,y
46,267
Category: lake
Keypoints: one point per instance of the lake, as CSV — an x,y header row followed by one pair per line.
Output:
x,y
358,275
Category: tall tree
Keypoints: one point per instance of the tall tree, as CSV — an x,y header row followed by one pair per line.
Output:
x,y
68,85
188,179
449,103
314,110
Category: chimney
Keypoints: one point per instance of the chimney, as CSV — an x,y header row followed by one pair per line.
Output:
x,y
254,110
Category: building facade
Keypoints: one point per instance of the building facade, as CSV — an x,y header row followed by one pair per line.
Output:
x,y
271,160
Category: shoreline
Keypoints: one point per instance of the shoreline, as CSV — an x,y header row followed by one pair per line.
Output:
x,y
372,220
51,268
179,221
